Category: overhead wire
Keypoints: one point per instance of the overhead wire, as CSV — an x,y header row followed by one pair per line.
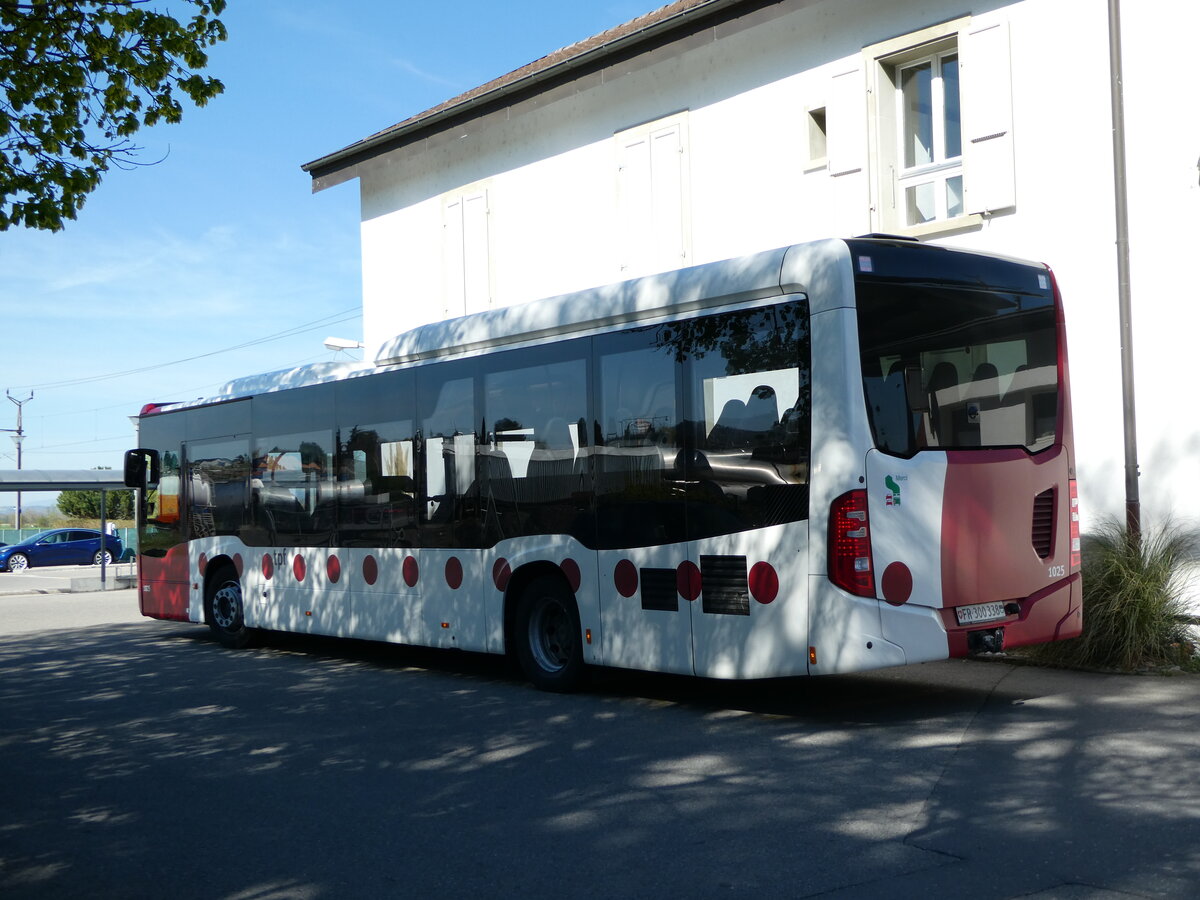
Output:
x,y
138,401
344,315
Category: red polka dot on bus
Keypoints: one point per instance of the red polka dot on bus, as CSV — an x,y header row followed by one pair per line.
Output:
x,y
501,573
570,568
625,578
454,573
298,568
897,584
238,565
687,580
268,567
764,582
333,569
370,569
410,570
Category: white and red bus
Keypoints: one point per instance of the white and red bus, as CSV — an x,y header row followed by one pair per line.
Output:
x,y
831,457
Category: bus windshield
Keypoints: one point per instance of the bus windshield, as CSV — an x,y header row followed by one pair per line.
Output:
x,y
950,363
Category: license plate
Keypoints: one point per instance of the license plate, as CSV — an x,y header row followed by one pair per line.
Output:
x,y
980,612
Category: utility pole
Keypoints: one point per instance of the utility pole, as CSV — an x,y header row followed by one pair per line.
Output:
x,y
18,438
1133,503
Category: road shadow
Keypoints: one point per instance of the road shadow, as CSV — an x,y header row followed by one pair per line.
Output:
x,y
150,761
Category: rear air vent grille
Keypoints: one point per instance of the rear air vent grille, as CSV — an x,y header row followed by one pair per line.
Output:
x,y
1043,523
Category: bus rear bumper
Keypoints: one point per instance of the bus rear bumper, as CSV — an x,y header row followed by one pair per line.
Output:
x,y
1053,614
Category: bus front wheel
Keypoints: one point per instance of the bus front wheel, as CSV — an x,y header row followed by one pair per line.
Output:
x,y
548,636
223,609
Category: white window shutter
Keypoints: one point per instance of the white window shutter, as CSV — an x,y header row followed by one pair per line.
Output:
x,y
989,169
666,172
454,301
477,294
652,197
846,123
634,203
467,256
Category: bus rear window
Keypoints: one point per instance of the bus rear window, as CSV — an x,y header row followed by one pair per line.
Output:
x,y
956,364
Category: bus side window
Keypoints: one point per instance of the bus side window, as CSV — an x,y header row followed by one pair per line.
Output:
x,y
377,461
535,479
749,400
218,472
637,428
449,514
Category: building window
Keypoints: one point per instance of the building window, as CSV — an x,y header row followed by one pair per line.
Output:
x,y
818,138
939,122
929,173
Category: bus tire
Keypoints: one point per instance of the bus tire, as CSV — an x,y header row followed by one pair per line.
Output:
x,y
547,636
223,609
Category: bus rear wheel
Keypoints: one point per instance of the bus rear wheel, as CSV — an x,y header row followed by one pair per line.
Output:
x,y
547,636
223,609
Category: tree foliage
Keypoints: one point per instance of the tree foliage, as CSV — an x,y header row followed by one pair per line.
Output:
x,y
86,504
78,78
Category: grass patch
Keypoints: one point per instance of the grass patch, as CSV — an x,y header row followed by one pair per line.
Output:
x,y
1132,603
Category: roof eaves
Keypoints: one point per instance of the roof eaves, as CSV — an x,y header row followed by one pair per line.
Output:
x,y
554,65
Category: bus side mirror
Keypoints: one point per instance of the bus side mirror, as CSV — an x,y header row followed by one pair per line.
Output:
x,y
142,467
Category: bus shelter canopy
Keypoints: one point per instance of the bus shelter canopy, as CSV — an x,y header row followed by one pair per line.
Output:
x,y
61,480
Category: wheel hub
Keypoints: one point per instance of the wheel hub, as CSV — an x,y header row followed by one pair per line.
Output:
x,y
549,637
226,606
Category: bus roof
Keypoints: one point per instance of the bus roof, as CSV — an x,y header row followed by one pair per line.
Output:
x,y
623,303
786,270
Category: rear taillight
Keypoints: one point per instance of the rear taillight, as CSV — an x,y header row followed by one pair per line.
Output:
x,y
1075,555
850,545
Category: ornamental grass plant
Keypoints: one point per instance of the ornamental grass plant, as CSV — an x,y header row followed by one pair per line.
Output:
x,y
1133,605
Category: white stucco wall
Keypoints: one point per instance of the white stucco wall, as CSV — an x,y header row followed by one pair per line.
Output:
x,y
550,172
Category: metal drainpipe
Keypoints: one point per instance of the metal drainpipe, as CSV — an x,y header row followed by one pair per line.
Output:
x,y
1133,503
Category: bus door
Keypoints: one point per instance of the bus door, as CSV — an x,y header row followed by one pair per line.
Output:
x,y
162,554
748,499
645,607
641,531
445,581
745,474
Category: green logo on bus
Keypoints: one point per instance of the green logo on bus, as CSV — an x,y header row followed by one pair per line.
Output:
x,y
893,497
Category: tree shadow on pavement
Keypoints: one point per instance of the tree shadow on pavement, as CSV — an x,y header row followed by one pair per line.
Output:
x,y
145,760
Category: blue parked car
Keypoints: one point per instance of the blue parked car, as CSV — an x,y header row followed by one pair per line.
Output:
x,y
59,547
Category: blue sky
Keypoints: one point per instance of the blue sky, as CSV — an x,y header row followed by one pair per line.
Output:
x,y
222,243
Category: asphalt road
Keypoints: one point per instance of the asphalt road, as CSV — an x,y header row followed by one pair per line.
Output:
x,y
140,759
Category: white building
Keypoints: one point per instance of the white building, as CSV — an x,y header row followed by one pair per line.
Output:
x,y
712,128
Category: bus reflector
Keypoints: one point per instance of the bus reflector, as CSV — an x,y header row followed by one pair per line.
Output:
x,y
850,545
1076,558
812,656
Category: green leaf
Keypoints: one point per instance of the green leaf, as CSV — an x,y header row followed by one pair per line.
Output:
x,y
78,78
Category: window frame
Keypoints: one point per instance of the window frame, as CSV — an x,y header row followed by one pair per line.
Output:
x,y
816,124
942,168
884,62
